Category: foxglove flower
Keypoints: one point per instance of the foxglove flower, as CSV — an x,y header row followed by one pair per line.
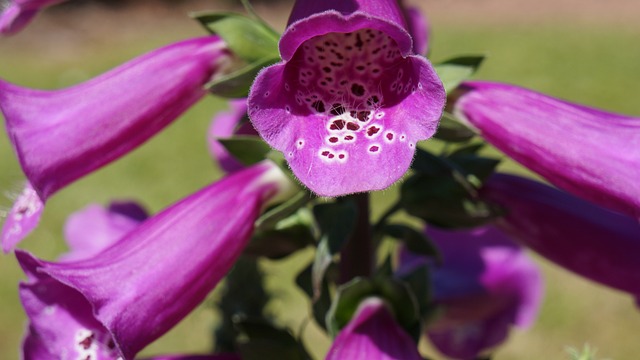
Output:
x,y
95,228
60,136
226,124
115,302
419,28
373,333
587,239
350,99
588,152
16,14
485,284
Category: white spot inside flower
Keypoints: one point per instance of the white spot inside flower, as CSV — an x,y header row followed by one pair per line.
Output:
x,y
49,310
379,114
403,137
420,86
300,144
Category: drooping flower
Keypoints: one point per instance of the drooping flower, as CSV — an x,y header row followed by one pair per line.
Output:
x,y
373,333
587,239
117,301
485,284
419,28
16,14
588,152
350,99
226,124
60,136
95,228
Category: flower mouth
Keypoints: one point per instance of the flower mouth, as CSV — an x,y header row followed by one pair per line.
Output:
x,y
347,80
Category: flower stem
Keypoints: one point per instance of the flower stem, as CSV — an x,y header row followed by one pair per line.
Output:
x,y
356,257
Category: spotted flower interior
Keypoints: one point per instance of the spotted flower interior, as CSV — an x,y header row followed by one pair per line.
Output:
x,y
349,111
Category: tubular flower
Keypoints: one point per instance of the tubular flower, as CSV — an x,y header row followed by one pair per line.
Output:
x,y
589,240
350,99
588,152
60,136
486,284
118,300
373,333
16,14
227,124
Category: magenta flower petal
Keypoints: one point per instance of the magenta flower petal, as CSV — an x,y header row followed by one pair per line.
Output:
x,y
16,14
588,152
350,100
95,228
419,29
62,135
226,124
485,285
587,239
23,217
373,333
134,291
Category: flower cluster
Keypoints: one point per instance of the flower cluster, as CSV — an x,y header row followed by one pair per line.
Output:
x,y
342,112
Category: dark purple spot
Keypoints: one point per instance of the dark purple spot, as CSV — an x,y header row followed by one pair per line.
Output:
x,y
374,148
363,115
328,78
322,57
375,71
318,105
336,64
323,83
320,48
348,137
86,342
300,142
333,139
372,130
360,67
349,48
340,56
331,156
373,100
359,42
337,125
341,156
353,126
343,82
390,136
337,109
357,89
326,69
325,153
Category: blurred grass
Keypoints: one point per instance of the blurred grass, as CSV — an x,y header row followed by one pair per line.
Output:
x,y
595,65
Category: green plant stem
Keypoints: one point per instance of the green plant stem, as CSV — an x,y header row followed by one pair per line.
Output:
x,y
356,257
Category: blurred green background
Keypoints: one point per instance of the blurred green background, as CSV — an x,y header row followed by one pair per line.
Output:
x,y
584,51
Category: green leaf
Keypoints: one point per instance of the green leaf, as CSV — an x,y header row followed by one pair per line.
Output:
x,y
271,218
249,39
236,84
443,201
419,281
453,130
393,291
265,341
321,305
336,222
416,241
454,71
246,149
280,243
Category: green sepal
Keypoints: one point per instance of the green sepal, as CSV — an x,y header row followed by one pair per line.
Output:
x,y
453,130
262,340
419,281
454,71
416,241
336,221
236,83
246,149
248,39
286,237
396,293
